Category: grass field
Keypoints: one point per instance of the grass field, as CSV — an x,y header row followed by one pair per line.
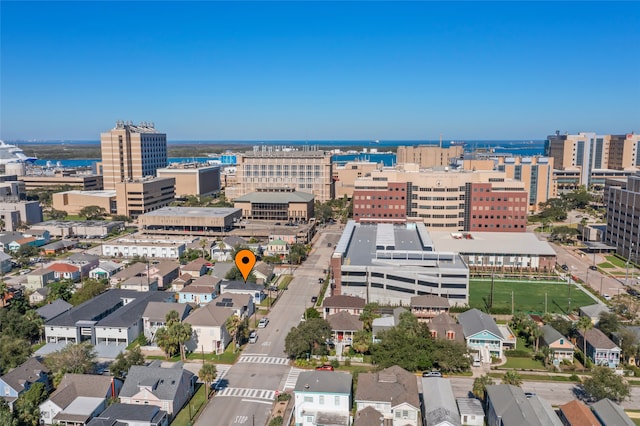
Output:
x,y
523,363
527,297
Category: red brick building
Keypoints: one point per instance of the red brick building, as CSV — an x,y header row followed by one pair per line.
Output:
x,y
382,204
495,207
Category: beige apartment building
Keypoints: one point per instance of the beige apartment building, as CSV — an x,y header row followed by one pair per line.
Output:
x,y
428,155
143,196
63,178
190,219
271,167
199,179
436,198
344,176
131,152
74,201
592,154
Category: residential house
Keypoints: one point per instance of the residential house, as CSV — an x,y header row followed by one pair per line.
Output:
x,y
600,349
196,268
426,307
443,326
350,304
210,333
344,326
39,296
5,263
181,282
593,311
15,245
481,333
507,405
42,236
440,408
370,417
165,272
240,287
393,392
155,316
471,411
385,322
137,269
277,248
105,270
240,305
221,269
65,271
166,388
140,284
263,272
576,413
221,251
198,294
560,348
20,379
59,247
39,278
53,309
86,262
8,237
131,415
322,398
611,414
78,398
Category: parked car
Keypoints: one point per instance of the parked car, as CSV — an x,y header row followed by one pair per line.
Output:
x,y
263,322
606,296
431,374
593,268
565,268
314,299
253,337
325,367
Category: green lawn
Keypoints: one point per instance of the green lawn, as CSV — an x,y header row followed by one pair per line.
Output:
x,y
620,263
198,400
527,297
606,265
523,363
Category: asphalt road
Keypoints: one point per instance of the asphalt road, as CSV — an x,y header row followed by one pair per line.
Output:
x,y
246,392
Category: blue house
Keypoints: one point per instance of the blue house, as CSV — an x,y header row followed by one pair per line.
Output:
x,y
481,332
21,378
200,294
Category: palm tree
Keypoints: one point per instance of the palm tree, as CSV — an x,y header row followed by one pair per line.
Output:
x,y
535,333
34,318
203,244
208,374
584,324
480,385
232,325
165,341
182,332
511,377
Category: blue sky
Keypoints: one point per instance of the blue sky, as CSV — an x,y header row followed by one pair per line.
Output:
x,y
319,70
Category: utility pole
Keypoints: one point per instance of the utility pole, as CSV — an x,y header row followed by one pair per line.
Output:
x,y
569,282
601,278
511,302
545,302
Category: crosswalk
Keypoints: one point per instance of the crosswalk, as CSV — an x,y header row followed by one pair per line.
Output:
x,y
221,370
292,378
262,359
247,393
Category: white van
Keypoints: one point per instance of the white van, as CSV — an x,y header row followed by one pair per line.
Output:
x,y
253,337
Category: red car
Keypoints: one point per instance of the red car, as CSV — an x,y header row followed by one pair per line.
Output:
x,y
325,367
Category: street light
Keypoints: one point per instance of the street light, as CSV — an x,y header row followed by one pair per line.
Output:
x,y
601,278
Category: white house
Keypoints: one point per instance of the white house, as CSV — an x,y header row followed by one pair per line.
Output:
x,y
322,397
148,249
105,269
210,334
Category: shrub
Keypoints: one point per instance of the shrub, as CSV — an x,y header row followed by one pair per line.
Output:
x,y
347,362
283,397
276,421
518,353
335,363
575,378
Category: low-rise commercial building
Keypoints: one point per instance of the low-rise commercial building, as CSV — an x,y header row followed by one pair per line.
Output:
x,y
190,219
199,179
74,201
389,264
127,247
63,178
142,196
276,204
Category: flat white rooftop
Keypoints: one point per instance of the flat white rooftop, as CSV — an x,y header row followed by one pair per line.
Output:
x,y
515,243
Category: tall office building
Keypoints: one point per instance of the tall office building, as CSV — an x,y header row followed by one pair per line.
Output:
x,y
131,152
428,155
588,152
275,167
622,199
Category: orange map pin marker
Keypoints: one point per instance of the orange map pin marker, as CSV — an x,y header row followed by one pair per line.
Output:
x,y
245,261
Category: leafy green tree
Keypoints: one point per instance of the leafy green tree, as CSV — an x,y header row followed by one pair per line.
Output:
x,y
121,218
297,253
6,416
368,314
90,289
57,214
311,313
362,340
512,377
27,404
584,324
120,367
76,358
480,385
608,323
605,383
562,325
234,274
62,289
629,343
563,234
450,356
92,213
322,211
309,337
20,325
408,345
13,352
172,337
208,375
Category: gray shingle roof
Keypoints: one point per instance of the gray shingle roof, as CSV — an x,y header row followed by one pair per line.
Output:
x,y
368,416
594,311
209,315
610,413
53,309
166,381
82,258
344,321
598,339
29,371
334,382
439,403
116,414
510,403
474,321
429,301
550,335
157,311
344,301
240,285
74,385
132,311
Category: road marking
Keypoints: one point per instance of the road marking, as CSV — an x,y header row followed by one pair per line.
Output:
x,y
263,359
261,394
266,343
256,400
222,369
292,378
